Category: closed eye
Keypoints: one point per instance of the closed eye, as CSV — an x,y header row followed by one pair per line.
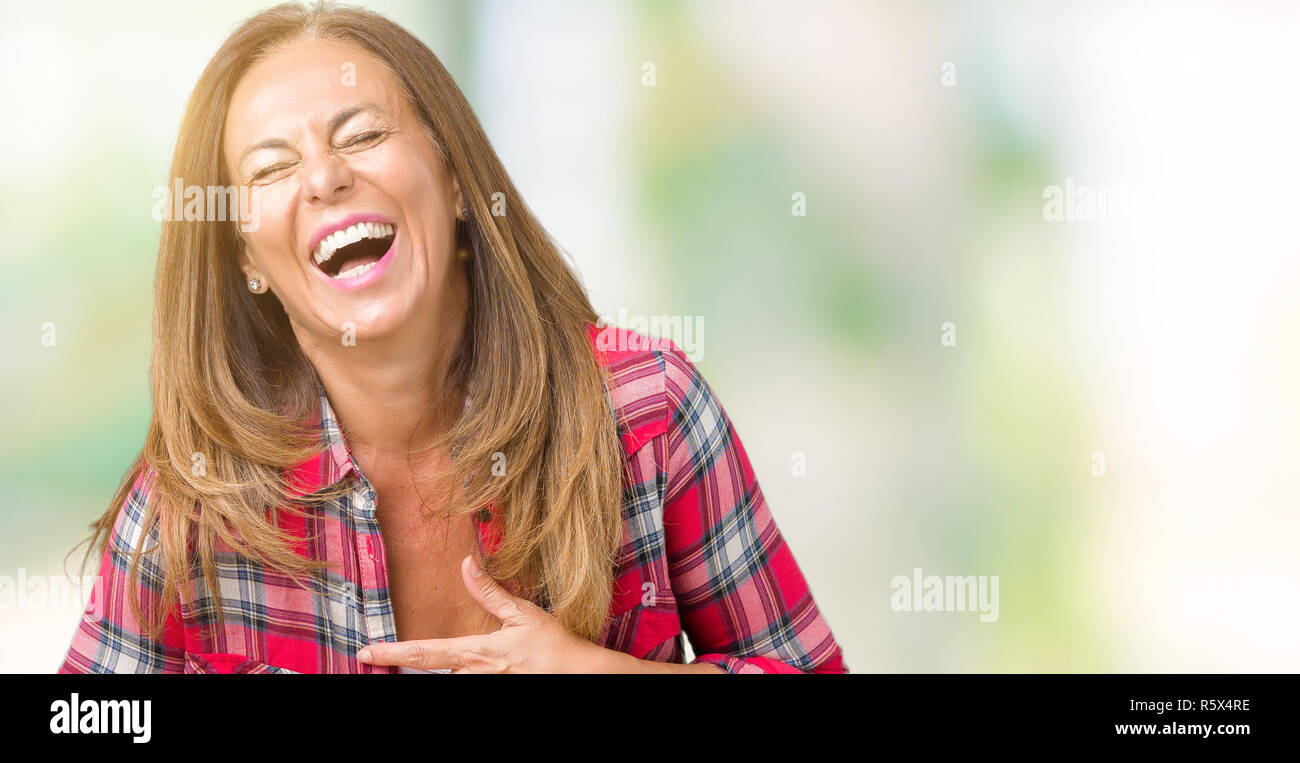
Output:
x,y
269,170
369,136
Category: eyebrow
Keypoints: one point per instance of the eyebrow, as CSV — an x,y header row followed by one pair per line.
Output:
x,y
336,121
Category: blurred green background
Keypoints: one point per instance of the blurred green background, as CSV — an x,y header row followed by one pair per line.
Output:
x,y
925,138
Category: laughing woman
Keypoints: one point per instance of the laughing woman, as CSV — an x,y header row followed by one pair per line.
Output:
x,y
387,435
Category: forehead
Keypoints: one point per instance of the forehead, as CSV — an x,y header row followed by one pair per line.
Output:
x,y
303,83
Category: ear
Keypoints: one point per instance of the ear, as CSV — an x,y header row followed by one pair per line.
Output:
x,y
458,196
246,263
251,270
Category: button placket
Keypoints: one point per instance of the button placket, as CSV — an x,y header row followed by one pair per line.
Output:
x,y
376,606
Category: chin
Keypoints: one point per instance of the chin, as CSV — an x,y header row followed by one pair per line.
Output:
x,y
381,316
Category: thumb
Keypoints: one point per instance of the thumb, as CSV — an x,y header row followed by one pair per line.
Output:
x,y
491,595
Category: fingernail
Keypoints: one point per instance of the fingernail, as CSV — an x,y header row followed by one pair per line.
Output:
x,y
474,569
364,654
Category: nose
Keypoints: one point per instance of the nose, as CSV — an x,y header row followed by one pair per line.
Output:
x,y
326,179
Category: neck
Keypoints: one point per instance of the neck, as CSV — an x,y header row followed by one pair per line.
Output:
x,y
384,391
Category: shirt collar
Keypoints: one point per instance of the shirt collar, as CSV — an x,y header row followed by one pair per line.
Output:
x,y
332,463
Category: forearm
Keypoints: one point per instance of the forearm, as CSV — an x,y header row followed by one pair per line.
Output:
x,y
610,661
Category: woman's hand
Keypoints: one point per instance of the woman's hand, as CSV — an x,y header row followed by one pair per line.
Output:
x,y
531,640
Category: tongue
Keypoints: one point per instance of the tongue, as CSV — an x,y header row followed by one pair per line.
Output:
x,y
357,261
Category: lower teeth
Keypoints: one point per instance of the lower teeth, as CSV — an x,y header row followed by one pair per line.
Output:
x,y
358,270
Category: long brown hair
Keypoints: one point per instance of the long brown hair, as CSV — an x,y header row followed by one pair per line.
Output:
x,y
230,382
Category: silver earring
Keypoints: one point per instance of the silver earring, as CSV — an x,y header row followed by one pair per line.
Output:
x,y
255,285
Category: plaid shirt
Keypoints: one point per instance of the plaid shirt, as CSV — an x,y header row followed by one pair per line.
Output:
x,y
701,557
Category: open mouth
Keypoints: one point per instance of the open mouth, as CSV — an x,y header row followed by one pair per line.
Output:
x,y
352,251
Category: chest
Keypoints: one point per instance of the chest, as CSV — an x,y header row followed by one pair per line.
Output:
x,y
415,591
423,551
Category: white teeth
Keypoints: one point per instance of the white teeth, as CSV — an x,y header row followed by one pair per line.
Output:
x,y
350,235
358,270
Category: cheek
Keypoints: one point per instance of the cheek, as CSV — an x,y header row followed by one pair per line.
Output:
x,y
400,182
271,244
404,171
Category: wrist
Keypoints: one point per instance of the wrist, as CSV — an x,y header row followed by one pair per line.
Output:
x,y
611,661
603,660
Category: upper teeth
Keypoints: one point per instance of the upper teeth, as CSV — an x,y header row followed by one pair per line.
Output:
x,y
349,235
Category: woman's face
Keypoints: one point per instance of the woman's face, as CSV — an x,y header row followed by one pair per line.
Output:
x,y
357,213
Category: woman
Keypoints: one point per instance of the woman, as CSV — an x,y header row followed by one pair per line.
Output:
x,y
392,384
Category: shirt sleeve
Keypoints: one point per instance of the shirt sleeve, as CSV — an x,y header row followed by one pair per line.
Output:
x,y
745,606
109,639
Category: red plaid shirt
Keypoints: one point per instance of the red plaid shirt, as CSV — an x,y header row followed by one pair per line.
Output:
x,y
701,557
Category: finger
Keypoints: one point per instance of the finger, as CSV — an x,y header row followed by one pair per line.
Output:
x,y
492,596
425,654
